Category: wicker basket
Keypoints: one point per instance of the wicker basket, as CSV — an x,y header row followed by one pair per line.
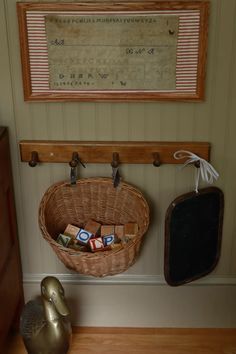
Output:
x,y
97,199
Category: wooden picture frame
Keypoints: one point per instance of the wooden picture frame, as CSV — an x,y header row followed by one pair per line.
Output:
x,y
125,51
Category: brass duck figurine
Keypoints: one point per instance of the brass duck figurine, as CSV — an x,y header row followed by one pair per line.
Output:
x,y
44,324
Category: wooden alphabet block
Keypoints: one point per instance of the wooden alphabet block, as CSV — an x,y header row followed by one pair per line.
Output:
x,y
131,230
116,246
92,226
83,236
119,231
71,231
125,240
64,240
96,244
107,230
108,240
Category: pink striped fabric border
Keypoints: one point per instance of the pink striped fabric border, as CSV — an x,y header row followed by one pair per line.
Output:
x,y
38,52
186,61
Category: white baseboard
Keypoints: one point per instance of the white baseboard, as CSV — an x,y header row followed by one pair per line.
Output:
x,y
127,300
125,279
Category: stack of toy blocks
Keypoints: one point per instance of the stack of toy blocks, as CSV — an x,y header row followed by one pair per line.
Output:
x,y
95,237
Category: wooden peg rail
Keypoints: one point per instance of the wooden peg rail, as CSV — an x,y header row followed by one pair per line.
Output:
x,y
132,152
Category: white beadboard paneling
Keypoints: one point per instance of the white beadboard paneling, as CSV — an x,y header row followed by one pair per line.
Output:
x,y
220,112
212,120
169,125
7,118
169,121
38,121
48,259
42,180
72,121
222,76
56,122
151,190
153,116
6,106
32,250
151,187
22,111
135,122
87,118
119,115
184,178
103,122
230,162
186,120
203,112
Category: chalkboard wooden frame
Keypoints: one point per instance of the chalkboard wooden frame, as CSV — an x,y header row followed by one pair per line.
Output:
x,y
191,50
172,255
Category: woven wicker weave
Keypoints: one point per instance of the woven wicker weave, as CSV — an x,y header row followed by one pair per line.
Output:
x,y
97,199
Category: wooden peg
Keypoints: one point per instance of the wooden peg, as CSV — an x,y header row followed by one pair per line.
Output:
x,y
75,159
197,164
34,159
115,160
156,161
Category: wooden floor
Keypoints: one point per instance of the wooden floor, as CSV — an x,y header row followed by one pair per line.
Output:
x,y
144,341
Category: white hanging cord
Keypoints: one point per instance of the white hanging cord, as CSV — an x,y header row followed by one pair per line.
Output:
x,y
206,170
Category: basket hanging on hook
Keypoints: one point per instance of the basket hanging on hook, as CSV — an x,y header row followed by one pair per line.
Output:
x,y
96,199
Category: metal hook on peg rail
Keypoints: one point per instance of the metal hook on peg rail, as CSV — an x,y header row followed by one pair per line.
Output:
x,y
156,161
34,159
76,160
73,164
115,169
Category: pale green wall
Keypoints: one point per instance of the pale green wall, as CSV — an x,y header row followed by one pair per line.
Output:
x,y
213,120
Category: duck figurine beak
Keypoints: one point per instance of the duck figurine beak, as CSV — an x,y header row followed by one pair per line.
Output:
x,y
59,302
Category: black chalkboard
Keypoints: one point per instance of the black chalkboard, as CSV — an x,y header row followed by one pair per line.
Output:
x,y
193,230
